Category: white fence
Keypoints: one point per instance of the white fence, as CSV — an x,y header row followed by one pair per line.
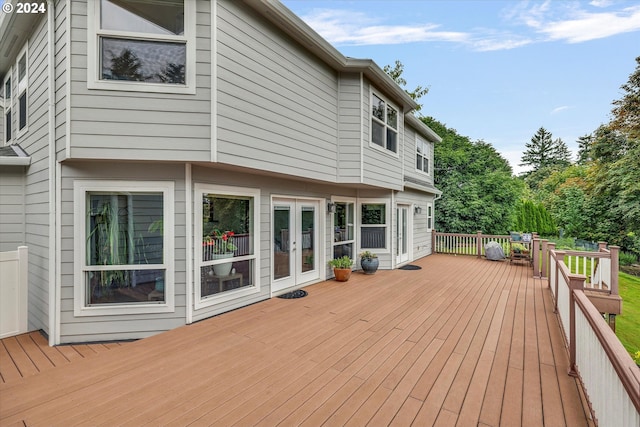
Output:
x,y
610,377
13,292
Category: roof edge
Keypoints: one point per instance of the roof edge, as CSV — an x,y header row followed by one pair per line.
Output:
x,y
292,24
420,125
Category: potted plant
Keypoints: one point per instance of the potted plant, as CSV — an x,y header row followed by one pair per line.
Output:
x,y
341,268
219,245
519,248
369,262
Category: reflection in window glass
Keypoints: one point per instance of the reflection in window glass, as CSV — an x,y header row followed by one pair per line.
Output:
x,y
373,230
22,67
22,117
143,16
123,231
227,241
143,61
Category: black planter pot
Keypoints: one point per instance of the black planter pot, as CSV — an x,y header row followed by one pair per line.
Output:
x,y
369,265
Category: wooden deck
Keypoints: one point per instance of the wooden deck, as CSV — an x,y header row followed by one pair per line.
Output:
x,y
461,342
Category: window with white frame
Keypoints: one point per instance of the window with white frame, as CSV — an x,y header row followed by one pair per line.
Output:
x,y
384,124
423,156
227,242
22,87
143,45
343,229
373,225
125,237
429,216
8,120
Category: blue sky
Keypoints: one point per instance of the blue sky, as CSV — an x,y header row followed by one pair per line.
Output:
x,y
496,70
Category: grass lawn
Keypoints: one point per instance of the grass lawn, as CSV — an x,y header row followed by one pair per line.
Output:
x,y
628,323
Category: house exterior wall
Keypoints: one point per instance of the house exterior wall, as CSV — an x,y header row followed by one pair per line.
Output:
x,y
380,166
12,208
274,98
350,121
29,195
266,114
138,125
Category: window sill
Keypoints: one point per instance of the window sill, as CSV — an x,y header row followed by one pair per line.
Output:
x,y
128,86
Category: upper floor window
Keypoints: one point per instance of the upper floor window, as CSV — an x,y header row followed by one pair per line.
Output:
x,y
384,124
423,155
23,79
8,122
144,45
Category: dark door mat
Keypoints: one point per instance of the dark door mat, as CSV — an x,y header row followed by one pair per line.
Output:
x,y
294,294
410,267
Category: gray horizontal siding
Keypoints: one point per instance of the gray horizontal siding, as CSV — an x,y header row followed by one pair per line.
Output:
x,y
380,167
95,328
277,105
421,235
12,208
410,157
138,125
350,126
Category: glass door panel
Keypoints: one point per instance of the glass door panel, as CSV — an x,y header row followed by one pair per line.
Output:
x,y
282,244
402,235
308,260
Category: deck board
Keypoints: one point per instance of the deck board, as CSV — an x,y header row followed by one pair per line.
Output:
x,y
464,341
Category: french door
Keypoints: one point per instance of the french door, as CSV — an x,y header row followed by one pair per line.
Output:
x,y
402,234
295,251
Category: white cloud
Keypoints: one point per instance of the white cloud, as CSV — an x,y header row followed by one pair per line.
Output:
x,y
570,22
590,26
558,109
356,28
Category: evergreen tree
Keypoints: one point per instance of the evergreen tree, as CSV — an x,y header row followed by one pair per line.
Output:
x,y
584,149
126,66
626,113
543,151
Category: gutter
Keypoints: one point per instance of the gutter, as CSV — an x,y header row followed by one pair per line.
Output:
x,y
54,304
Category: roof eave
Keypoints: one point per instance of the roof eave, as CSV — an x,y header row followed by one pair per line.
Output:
x,y
423,128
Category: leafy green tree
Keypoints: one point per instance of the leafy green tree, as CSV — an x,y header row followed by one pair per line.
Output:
x,y
395,73
584,149
479,191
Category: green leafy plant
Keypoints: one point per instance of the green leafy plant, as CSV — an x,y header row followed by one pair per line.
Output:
x,y
636,357
368,255
519,248
341,263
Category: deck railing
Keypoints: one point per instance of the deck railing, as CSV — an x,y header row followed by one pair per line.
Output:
x,y
609,376
466,244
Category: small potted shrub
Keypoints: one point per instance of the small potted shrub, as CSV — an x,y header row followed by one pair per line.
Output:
x,y
341,268
369,262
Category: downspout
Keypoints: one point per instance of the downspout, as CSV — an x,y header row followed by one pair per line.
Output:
x,y
54,332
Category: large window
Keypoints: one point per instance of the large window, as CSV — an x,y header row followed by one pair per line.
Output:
x,y
343,229
384,124
373,226
143,42
227,241
423,155
125,246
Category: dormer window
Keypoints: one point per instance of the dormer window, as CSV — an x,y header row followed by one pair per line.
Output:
x,y
145,45
384,124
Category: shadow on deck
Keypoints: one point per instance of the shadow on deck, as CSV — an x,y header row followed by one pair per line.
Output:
x,y
463,341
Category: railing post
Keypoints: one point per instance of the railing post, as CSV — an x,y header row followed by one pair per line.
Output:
x,y
559,258
535,253
543,268
602,246
434,250
615,253
576,282
551,246
479,244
